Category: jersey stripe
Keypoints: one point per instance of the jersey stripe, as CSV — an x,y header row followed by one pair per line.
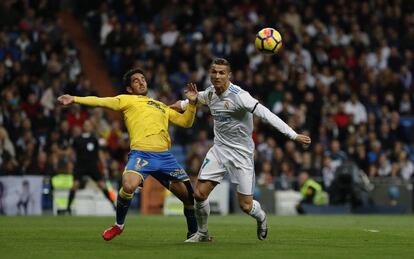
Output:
x,y
254,108
234,89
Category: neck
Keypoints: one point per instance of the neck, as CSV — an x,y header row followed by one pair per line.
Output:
x,y
219,91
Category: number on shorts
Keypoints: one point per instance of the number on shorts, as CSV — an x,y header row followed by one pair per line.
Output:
x,y
140,165
205,162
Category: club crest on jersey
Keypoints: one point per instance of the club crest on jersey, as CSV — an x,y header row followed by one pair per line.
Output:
x,y
226,105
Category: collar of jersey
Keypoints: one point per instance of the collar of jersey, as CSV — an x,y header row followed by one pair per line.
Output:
x,y
225,92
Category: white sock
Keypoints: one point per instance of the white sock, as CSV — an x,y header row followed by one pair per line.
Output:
x,y
202,211
120,226
257,211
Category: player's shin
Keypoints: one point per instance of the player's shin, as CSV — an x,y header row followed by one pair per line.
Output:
x,y
202,211
122,206
191,220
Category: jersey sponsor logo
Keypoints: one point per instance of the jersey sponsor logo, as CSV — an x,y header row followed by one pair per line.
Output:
x,y
90,146
221,116
156,105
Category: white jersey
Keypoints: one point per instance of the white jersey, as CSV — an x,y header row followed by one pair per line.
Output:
x,y
232,112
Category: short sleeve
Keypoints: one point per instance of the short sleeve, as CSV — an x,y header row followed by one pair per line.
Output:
x,y
203,96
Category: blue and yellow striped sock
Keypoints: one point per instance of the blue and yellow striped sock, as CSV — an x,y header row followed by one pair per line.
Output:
x,y
122,205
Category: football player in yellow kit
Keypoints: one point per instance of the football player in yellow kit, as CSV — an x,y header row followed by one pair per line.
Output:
x,y
147,122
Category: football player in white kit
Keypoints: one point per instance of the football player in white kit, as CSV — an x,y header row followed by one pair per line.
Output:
x,y
232,109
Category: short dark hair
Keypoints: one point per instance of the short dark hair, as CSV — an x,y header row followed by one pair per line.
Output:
x,y
221,61
126,78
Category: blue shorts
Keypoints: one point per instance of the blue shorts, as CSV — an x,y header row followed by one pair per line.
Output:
x,y
160,165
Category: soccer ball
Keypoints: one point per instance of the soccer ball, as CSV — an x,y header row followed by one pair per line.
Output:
x,y
268,41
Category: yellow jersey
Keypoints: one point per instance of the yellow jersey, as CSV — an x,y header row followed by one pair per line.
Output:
x,y
146,119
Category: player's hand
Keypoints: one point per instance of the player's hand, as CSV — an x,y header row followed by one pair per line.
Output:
x,y
303,139
66,99
176,106
191,93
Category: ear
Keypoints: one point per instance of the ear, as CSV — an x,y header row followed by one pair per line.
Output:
x,y
230,75
129,89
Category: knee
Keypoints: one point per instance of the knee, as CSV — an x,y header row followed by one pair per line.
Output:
x,y
199,196
246,207
187,199
129,187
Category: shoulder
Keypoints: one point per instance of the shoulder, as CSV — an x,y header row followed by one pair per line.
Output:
x,y
235,89
206,95
238,93
209,89
124,97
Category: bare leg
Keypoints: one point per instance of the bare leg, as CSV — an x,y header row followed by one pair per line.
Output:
x,y
253,208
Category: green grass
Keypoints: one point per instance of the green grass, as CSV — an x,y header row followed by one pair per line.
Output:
x,y
234,237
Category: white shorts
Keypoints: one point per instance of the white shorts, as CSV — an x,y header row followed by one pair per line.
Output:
x,y
220,160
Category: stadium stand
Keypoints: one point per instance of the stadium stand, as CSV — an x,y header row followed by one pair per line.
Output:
x,y
345,81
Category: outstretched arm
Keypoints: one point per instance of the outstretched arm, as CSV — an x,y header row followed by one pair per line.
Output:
x,y
106,102
266,115
186,119
181,105
251,104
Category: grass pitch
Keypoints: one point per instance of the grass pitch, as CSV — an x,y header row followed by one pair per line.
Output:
x,y
234,237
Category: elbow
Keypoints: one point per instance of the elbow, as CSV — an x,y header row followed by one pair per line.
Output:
x,y
188,125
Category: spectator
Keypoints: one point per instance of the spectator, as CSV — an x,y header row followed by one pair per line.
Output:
x,y
311,192
355,107
325,58
336,154
405,166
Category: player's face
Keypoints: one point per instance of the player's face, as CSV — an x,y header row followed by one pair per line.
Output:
x,y
138,85
87,126
220,77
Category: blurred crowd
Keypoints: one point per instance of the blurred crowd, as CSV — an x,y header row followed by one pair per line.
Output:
x,y
344,76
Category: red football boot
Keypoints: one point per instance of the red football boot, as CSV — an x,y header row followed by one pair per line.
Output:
x,y
111,232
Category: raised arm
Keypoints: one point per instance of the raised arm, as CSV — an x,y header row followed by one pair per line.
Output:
x,y
181,105
186,119
113,103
